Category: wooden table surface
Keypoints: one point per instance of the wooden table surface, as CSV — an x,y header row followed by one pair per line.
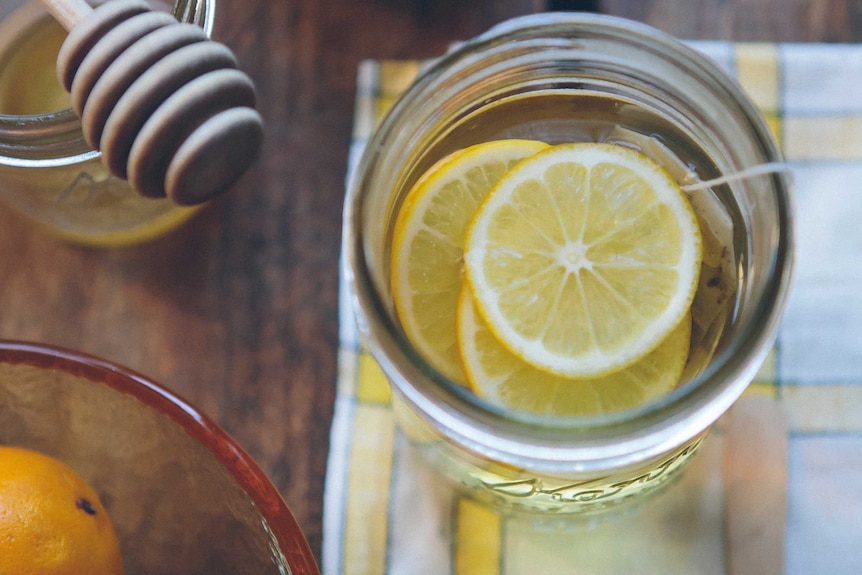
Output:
x,y
238,310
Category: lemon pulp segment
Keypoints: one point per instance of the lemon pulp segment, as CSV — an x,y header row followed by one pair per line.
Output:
x,y
583,259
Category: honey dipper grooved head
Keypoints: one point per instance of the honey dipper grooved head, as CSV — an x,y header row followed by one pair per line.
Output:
x,y
165,106
84,36
149,91
126,68
212,156
114,42
174,121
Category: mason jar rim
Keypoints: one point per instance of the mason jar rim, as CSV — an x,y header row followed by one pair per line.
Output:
x,y
622,438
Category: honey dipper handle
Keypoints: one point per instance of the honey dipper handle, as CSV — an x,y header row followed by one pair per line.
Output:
x,y
68,12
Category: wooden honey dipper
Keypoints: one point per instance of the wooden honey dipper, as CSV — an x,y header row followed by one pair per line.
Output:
x,y
166,106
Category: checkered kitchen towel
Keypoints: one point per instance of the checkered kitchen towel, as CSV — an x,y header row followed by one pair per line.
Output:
x,y
386,513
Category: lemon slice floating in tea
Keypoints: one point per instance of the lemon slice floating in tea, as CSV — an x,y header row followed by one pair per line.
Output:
x,y
503,379
583,258
428,244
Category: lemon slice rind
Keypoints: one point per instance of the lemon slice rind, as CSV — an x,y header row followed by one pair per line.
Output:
x,y
427,248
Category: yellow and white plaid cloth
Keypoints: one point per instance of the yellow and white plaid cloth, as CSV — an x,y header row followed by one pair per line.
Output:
x,y
384,512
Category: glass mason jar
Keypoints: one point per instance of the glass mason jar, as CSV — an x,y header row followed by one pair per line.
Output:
x,y
48,173
560,78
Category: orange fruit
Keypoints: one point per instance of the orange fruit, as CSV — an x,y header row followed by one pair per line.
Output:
x,y
51,520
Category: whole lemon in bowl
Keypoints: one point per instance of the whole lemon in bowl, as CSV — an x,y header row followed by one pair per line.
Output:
x,y
51,520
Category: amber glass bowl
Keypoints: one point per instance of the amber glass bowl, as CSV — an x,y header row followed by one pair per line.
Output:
x,y
184,497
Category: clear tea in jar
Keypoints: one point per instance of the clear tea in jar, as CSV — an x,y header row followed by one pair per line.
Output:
x,y
523,122
562,78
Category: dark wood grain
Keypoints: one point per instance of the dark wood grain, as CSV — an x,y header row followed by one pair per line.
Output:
x,y
748,20
237,311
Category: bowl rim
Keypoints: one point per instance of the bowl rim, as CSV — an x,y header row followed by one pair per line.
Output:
x,y
199,426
